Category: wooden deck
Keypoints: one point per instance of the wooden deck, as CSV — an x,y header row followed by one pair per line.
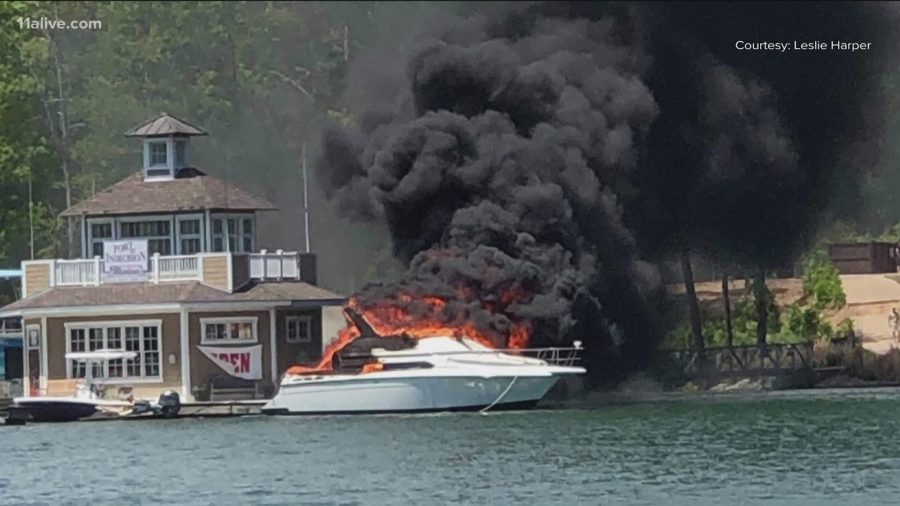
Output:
x,y
221,409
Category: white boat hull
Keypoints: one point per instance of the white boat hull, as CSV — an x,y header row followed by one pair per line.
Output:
x,y
399,393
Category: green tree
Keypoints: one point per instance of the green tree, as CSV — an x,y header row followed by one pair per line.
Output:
x,y
26,154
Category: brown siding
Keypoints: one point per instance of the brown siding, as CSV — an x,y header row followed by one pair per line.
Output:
x,y
171,345
37,278
202,368
298,353
215,271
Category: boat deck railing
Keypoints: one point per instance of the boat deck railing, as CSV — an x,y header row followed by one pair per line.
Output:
x,y
569,356
557,356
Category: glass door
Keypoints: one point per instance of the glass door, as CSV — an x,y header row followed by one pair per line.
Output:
x,y
33,349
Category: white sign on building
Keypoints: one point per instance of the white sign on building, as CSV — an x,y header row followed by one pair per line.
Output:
x,y
241,362
125,260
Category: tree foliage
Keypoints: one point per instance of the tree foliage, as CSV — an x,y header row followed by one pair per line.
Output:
x,y
822,283
26,155
804,320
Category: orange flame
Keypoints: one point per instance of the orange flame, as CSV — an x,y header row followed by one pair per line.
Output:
x,y
388,318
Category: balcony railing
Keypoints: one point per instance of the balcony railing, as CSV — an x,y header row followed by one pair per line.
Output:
x,y
277,265
84,272
78,272
267,266
177,268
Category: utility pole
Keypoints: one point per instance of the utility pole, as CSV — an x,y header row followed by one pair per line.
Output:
x,y
305,201
31,215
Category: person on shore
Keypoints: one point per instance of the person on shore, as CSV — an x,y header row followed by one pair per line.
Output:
x,y
894,323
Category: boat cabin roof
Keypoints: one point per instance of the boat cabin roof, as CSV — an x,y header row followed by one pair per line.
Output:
x,y
437,344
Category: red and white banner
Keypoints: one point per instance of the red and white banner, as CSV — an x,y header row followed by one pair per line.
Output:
x,y
242,362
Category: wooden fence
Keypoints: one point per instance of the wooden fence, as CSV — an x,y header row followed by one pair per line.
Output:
x,y
744,361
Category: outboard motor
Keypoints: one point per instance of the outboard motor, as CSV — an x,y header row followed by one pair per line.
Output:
x,y
169,403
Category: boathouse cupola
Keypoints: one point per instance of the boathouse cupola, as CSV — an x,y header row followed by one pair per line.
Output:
x,y
166,140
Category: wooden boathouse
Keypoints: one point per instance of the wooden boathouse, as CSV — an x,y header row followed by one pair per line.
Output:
x,y
171,268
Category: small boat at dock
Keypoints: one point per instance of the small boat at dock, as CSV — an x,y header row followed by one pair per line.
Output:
x,y
87,401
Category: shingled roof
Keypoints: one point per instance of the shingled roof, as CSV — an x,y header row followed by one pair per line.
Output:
x,y
191,190
164,124
172,293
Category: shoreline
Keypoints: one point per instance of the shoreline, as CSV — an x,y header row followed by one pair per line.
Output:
x,y
596,399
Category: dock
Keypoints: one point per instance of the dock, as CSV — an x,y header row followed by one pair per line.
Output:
x,y
221,408
216,409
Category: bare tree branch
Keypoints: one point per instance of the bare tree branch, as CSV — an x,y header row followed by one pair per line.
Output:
x,y
299,87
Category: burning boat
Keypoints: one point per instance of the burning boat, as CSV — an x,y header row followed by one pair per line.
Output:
x,y
402,373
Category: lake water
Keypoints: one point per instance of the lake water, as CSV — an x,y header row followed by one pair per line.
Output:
x,y
823,448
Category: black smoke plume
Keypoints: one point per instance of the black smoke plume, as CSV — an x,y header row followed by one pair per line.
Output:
x,y
536,160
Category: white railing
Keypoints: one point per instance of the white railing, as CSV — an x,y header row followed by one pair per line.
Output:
x,y
85,272
556,356
77,272
278,265
264,266
176,268
570,356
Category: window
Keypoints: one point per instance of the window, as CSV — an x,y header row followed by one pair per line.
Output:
x,y
143,338
218,239
150,351
180,153
114,342
76,343
158,155
227,330
189,236
234,233
297,329
157,232
99,232
247,235
133,343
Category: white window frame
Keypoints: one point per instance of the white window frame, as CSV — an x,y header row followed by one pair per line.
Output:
x,y
121,325
150,163
164,171
149,218
239,240
300,319
90,233
252,320
200,235
213,235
